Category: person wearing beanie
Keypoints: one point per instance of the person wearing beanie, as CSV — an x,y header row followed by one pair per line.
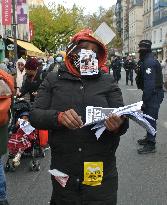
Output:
x,y
83,168
149,80
32,79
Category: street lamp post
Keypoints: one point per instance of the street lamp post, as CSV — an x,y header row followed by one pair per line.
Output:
x,y
14,30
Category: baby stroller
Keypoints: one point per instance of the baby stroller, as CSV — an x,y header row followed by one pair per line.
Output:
x,y
24,139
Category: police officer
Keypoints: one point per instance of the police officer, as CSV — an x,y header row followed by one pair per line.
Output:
x,y
149,80
116,67
129,66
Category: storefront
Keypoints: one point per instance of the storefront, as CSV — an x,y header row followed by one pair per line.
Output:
x,y
24,49
158,53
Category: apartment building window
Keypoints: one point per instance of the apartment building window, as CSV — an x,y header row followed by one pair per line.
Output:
x,y
149,21
154,37
144,22
160,35
144,7
148,5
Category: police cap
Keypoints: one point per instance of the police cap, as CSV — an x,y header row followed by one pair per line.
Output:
x,y
145,44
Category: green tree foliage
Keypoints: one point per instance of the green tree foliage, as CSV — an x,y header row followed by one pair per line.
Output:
x,y
54,26
44,25
67,23
103,15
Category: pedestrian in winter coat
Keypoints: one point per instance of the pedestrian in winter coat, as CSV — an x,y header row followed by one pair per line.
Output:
x,y
6,91
32,79
85,167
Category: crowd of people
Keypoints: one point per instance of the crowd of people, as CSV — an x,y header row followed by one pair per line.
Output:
x,y
59,95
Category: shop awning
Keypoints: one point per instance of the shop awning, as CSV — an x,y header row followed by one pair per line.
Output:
x,y
29,47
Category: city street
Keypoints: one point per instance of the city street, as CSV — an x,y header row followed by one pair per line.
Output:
x,y
142,178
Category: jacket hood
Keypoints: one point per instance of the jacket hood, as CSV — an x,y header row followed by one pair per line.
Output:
x,y
8,79
21,60
87,35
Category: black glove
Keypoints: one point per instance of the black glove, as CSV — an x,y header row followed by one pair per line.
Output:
x,y
143,107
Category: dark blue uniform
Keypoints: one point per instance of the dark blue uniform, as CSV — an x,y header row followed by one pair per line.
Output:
x,y
152,89
116,67
129,66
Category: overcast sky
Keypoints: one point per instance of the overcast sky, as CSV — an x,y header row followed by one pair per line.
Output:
x,y
89,5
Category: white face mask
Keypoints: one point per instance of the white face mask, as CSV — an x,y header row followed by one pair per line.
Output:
x,y
59,59
88,62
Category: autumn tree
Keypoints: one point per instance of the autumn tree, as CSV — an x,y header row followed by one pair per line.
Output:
x,y
55,25
104,15
67,23
44,25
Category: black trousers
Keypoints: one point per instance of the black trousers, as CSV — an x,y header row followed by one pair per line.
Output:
x,y
117,74
75,193
129,76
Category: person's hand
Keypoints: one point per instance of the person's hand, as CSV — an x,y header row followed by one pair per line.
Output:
x,y
143,107
17,124
18,94
34,93
114,122
71,119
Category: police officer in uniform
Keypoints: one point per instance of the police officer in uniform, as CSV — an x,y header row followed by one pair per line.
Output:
x,y
129,66
116,67
149,80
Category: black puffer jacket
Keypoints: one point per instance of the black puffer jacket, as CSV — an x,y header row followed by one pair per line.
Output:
x,y
30,86
71,148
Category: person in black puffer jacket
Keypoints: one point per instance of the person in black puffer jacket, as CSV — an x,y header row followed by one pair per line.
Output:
x,y
89,164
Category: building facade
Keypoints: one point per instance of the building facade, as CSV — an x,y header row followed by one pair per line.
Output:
x,y
129,15
118,14
142,19
125,8
22,12
135,25
23,31
147,19
159,29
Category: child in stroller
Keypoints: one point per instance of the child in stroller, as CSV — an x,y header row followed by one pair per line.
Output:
x,y
24,139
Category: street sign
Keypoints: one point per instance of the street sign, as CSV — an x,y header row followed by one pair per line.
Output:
x,y
10,47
